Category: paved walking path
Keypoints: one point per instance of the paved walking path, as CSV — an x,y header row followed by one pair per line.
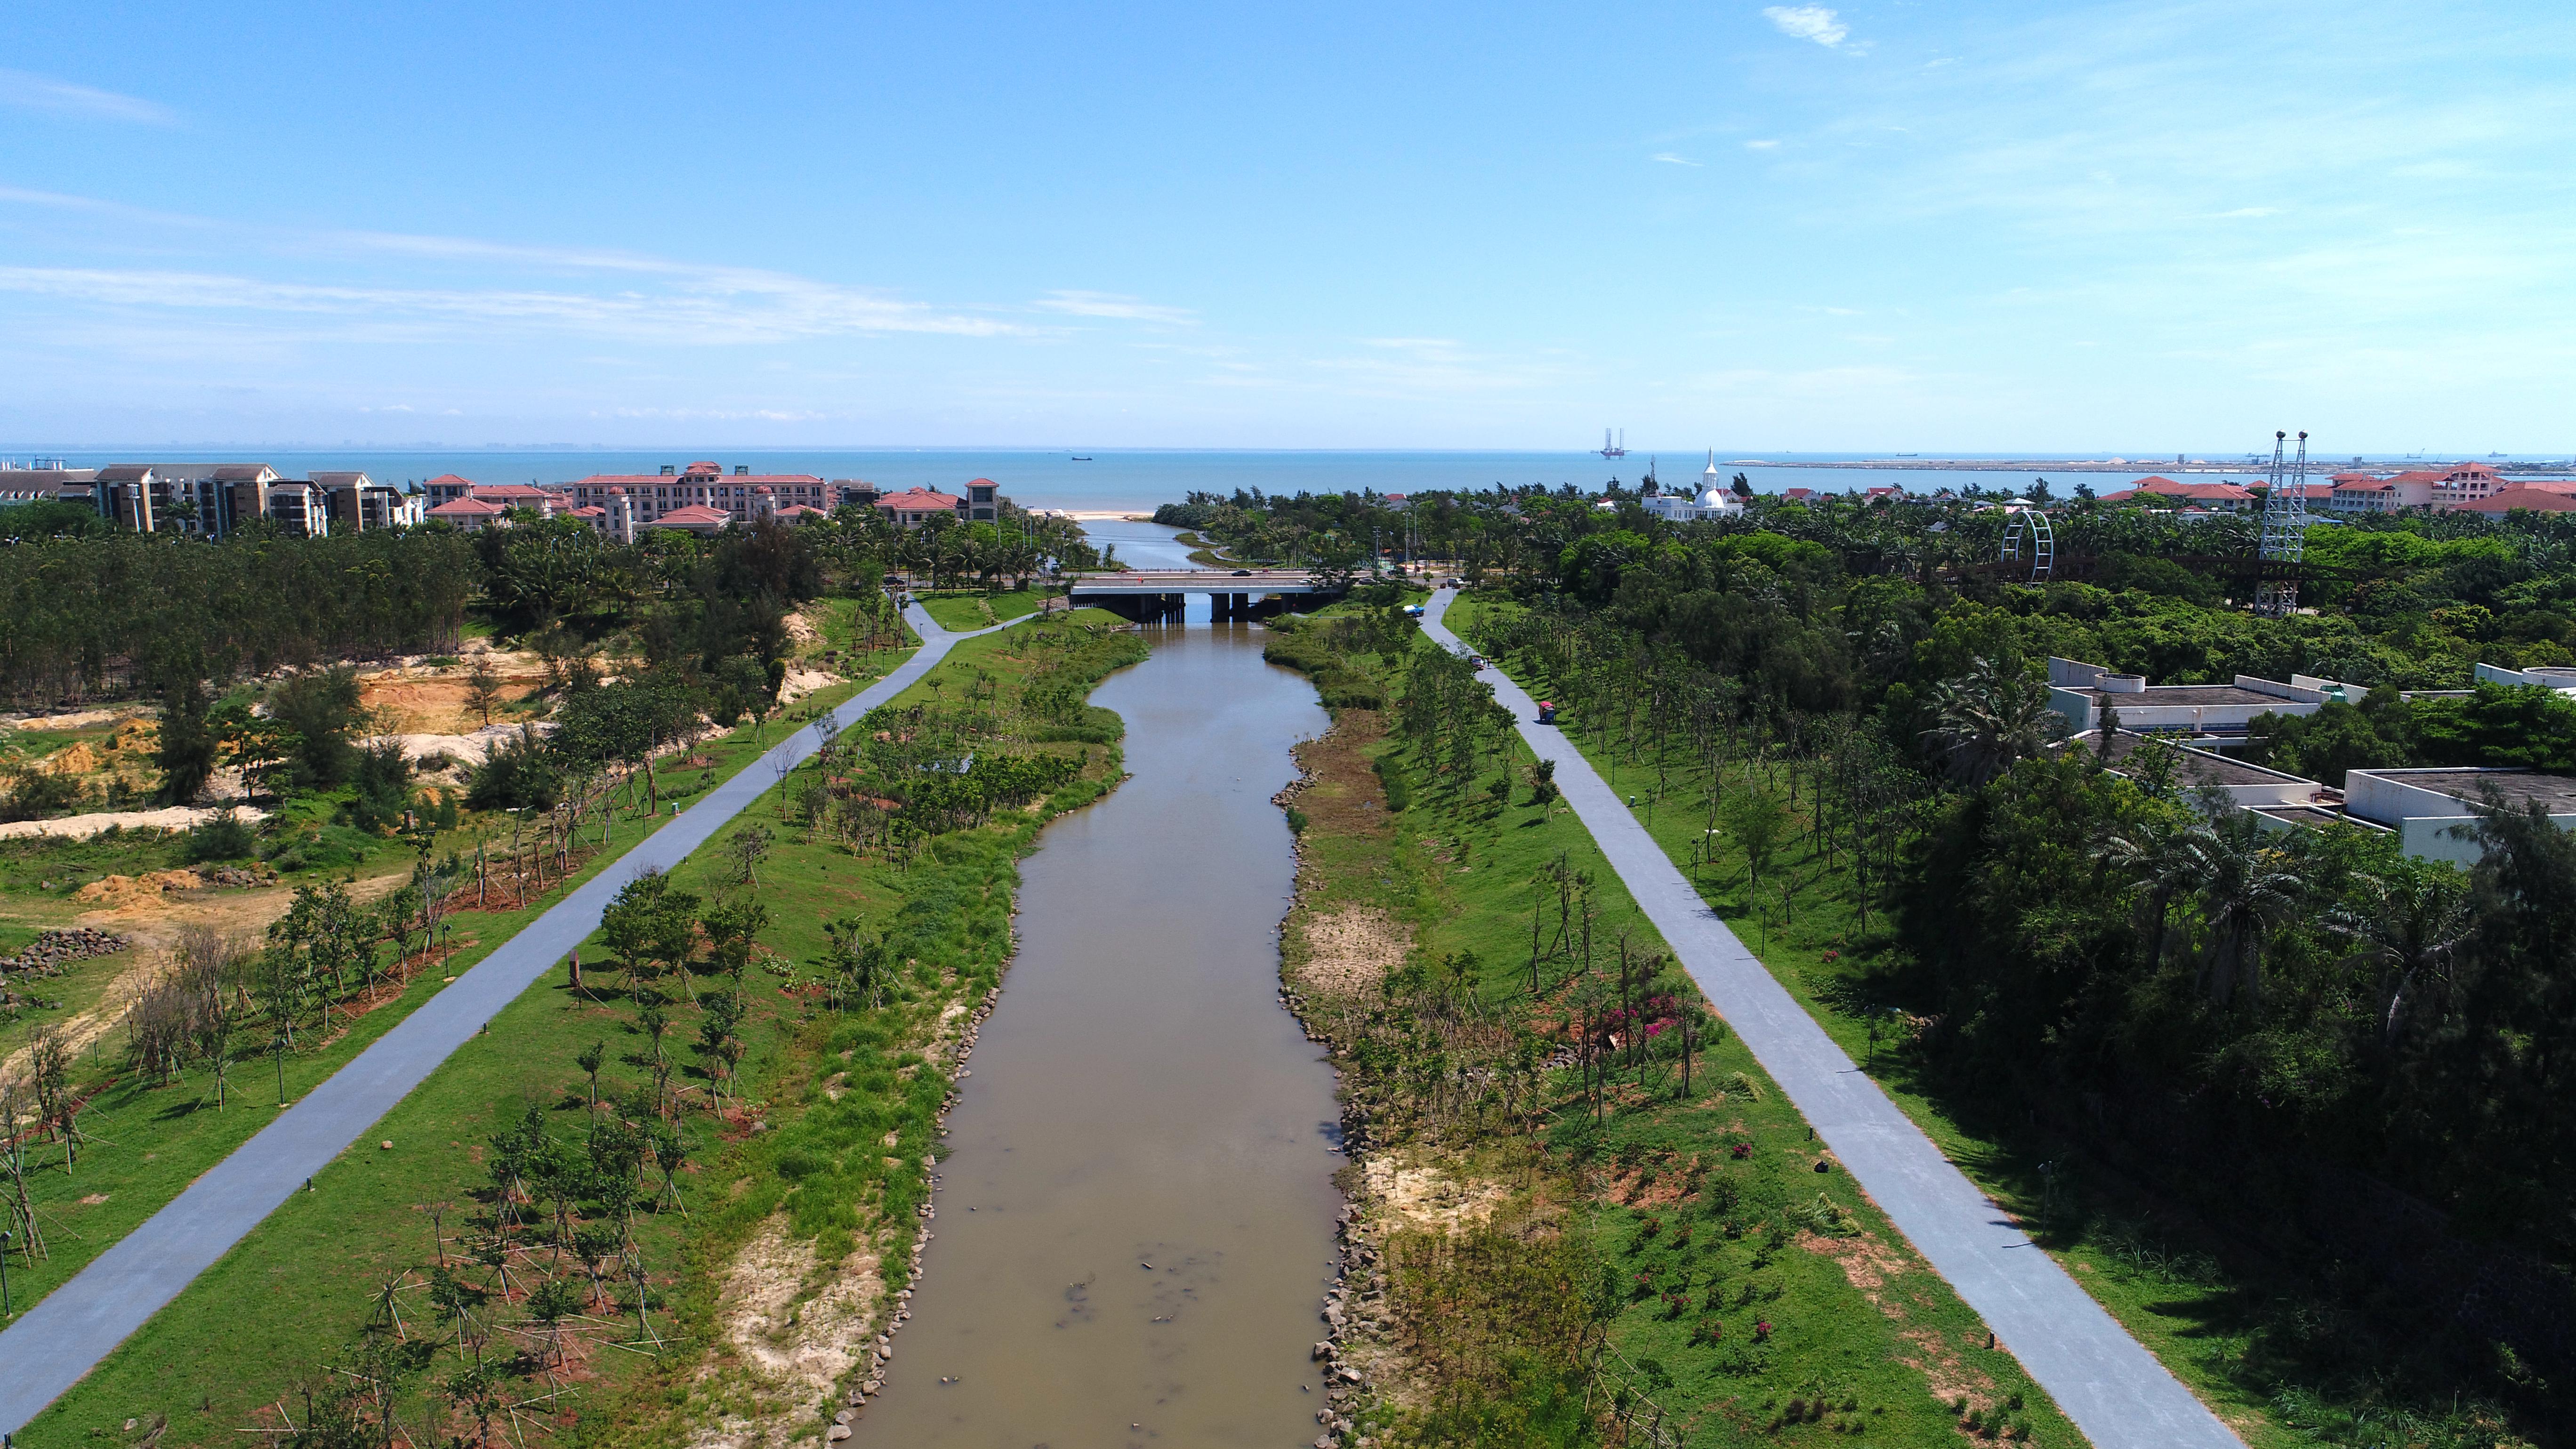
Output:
x,y
2114,1390
53,1344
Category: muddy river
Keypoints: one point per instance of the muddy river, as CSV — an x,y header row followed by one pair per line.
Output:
x,y
1134,1226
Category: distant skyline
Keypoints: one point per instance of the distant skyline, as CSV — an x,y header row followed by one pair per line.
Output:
x,y
1966,229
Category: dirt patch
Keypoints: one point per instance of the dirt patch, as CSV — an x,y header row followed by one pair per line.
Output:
x,y
1945,1373
799,683
76,720
153,918
420,699
794,1349
1423,1196
1866,1261
1350,950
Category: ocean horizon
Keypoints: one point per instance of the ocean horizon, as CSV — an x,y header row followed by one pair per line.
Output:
x,y
1137,479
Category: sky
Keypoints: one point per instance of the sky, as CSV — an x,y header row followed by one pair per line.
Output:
x,y
1948,227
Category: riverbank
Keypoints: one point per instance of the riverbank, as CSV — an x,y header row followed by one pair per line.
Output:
x,y
1567,1227
742,1151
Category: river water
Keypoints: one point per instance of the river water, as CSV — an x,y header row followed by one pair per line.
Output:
x,y
1135,1222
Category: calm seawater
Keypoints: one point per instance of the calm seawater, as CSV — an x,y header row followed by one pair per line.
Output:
x,y
1114,479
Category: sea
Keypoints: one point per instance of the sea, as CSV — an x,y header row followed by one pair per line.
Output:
x,y
1113,480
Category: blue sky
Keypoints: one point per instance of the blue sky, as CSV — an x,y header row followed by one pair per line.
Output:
x,y
2139,227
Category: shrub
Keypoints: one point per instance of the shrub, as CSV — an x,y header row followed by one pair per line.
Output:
x,y
225,837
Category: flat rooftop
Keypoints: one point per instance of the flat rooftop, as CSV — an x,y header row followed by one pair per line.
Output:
x,y
2183,694
2195,767
2316,818
2557,793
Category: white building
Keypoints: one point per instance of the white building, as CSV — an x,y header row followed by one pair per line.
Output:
x,y
2431,812
1713,500
2079,691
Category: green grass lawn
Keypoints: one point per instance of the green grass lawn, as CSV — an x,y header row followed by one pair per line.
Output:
x,y
1704,1245
827,1131
961,610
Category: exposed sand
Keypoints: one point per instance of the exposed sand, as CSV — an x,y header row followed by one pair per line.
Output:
x,y
82,827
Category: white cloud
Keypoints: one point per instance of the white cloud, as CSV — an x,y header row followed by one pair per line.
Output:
x,y
2250,211
706,306
1669,159
62,98
1761,145
1111,304
1807,22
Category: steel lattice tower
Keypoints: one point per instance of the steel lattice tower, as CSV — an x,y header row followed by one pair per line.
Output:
x,y
2285,529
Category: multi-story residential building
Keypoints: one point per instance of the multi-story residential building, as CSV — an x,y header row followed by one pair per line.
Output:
x,y
2370,493
2539,496
2163,492
983,500
205,499
705,485
916,506
470,515
359,503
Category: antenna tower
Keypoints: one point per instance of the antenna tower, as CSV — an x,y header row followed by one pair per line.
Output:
x,y
2285,529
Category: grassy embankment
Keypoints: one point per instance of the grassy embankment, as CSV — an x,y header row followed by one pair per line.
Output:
x,y
1621,1261
1206,553
964,610
145,1143
2203,1304
794,1212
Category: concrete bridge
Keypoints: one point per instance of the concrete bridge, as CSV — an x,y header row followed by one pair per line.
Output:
x,y
1232,593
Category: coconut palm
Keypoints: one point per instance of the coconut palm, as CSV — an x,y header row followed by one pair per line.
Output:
x,y
2412,922
1989,719
2248,884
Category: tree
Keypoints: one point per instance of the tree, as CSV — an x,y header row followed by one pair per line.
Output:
x,y
187,745
321,708
1988,719
2411,920
2247,884
744,851
1758,821
483,688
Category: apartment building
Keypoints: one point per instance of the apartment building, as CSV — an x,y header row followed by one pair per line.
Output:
x,y
703,485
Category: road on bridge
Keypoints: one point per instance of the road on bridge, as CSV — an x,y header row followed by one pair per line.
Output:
x,y
2112,1388
53,1344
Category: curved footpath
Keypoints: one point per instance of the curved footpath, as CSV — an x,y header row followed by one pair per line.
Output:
x,y
2113,1389
53,1344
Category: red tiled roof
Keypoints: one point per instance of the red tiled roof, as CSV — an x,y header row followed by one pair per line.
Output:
x,y
667,480
2523,495
590,510
450,480
2163,487
467,508
511,490
799,510
695,513
919,500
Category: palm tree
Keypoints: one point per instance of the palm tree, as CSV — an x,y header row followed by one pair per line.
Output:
x,y
2248,884
2167,863
1989,719
2411,922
